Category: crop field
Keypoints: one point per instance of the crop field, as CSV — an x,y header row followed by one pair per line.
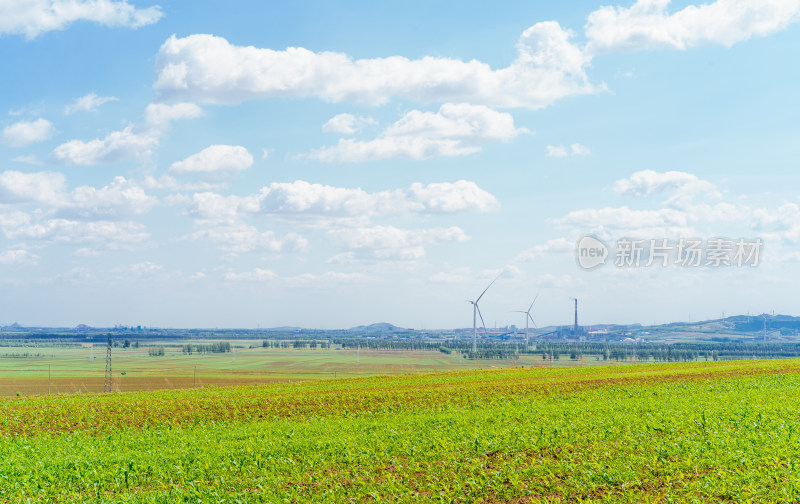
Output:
x,y
697,432
34,370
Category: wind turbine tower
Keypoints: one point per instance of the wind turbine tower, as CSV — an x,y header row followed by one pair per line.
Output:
x,y
528,318
476,312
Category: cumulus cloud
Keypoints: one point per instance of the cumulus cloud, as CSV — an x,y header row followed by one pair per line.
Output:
x,y
236,239
120,199
455,130
32,18
134,141
559,151
117,145
210,69
556,245
24,133
346,124
389,242
160,115
649,182
17,256
446,197
216,158
144,269
256,275
685,207
41,187
334,277
648,24
301,199
88,103
112,235
621,221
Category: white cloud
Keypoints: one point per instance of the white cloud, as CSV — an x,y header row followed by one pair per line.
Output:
x,y
346,124
453,276
579,150
86,252
144,269
27,159
256,275
120,199
215,158
447,197
303,200
624,221
160,115
170,183
35,17
559,151
389,242
209,69
112,235
455,130
209,206
647,24
24,133
134,141
88,103
334,277
556,245
115,146
236,239
41,187
17,256
649,182
685,207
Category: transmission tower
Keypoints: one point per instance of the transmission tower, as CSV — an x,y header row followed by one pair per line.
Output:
x,y
107,386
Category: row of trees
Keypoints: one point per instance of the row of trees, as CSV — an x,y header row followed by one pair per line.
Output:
x,y
219,347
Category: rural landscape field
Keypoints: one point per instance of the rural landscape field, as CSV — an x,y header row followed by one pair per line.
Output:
x,y
700,432
506,252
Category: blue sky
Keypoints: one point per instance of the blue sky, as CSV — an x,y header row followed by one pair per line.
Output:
x,y
189,164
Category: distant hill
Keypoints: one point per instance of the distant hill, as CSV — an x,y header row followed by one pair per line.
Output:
x,y
380,327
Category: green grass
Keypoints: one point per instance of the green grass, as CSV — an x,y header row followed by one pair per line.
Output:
x,y
725,431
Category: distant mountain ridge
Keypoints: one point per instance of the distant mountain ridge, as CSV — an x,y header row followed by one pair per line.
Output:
x,y
379,327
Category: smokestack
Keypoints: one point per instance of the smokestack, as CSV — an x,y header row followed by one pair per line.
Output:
x,y
575,329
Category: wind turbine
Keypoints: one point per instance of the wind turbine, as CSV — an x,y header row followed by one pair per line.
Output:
x,y
528,317
477,311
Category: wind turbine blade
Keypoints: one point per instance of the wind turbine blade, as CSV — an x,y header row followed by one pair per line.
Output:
x,y
481,316
534,323
534,300
518,311
487,288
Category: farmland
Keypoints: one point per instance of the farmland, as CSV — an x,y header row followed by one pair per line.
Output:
x,y
25,369
693,432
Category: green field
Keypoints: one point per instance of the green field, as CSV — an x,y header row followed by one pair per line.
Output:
x,y
71,371
698,432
